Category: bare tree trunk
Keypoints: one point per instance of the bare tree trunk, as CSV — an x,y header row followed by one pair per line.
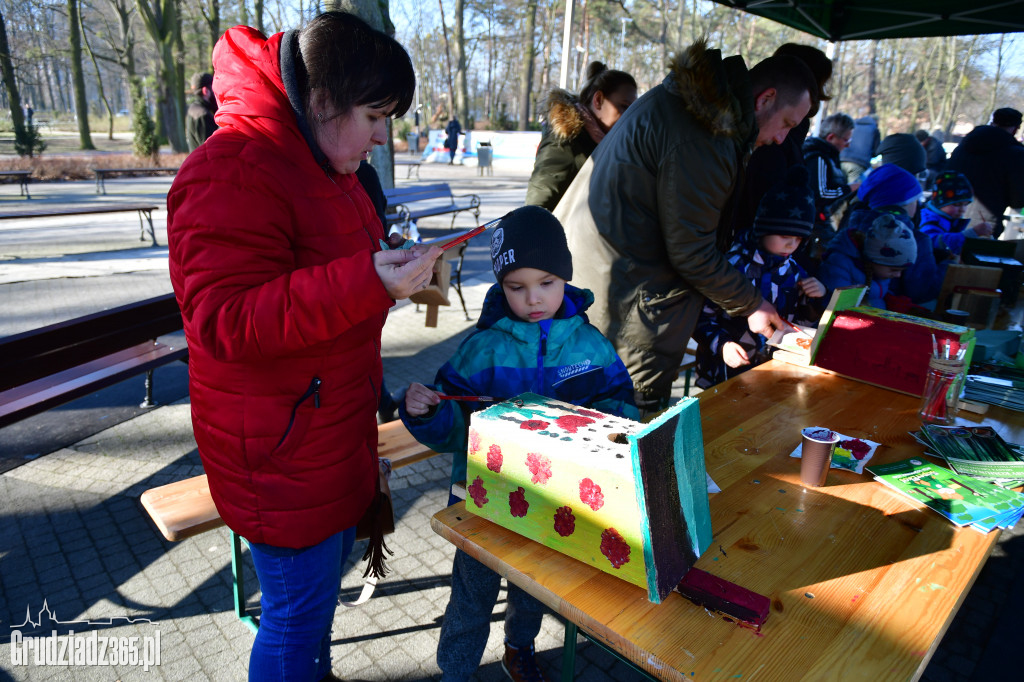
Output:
x,y
872,83
77,76
999,72
258,9
448,60
160,19
461,88
211,15
11,87
526,72
99,82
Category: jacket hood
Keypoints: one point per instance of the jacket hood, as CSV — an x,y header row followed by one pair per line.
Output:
x,y
563,116
495,308
707,85
257,88
816,145
986,139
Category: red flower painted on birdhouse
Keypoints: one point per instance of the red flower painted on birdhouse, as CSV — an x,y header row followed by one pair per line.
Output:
x,y
478,492
590,494
565,522
474,441
591,413
571,422
534,425
539,466
494,458
517,503
614,547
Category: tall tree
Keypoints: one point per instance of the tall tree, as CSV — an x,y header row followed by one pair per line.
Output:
x,y
160,17
13,96
78,76
210,10
526,69
461,85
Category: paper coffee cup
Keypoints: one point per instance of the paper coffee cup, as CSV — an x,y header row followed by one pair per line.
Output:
x,y
816,455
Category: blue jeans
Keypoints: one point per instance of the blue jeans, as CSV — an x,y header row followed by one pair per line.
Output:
x,y
300,593
467,620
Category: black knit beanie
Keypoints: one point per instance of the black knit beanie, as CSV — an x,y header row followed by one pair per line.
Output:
x,y
788,207
530,237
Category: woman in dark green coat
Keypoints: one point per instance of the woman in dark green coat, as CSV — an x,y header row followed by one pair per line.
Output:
x,y
574,127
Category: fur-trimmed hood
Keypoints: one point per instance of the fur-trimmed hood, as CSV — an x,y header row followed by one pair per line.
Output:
x,y
705,83
563,117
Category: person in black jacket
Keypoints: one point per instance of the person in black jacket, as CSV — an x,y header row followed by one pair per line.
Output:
x,y
993,160
452,132
827,179
573,128
935,156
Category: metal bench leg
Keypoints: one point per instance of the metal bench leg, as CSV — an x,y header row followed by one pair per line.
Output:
x,y
24,189
142,228
238,584
100,187
569,652
147,402
458,282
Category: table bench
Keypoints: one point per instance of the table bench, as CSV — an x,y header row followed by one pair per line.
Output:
x,y
410,165
145,211
46,367
406,204
103,173
21,176
185,508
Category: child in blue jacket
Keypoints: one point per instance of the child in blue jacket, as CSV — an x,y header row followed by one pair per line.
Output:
x,y
785,218
879,243
942,218
532,336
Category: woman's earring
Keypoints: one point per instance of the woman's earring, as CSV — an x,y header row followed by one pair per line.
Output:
x,y
320,117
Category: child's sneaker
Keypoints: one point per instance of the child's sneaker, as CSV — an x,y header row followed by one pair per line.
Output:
x,y
521,665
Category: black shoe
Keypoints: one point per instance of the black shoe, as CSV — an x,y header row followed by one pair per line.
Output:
x,y
521,665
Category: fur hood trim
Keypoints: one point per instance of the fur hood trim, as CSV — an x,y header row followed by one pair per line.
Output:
x,y
699,77
563,116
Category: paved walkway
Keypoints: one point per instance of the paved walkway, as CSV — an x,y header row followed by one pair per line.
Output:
x,y
73,536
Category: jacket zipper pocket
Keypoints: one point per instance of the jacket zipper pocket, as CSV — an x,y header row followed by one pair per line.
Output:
x,y
314,391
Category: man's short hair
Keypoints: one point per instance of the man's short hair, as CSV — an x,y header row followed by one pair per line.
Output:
x,y
1006,118
835,124
790,77
921,135
199,81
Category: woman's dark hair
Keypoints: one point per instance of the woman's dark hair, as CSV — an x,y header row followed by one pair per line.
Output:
x,y
604,80
354,64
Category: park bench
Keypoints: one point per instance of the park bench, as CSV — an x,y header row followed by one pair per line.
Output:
x,y
406,204
21,176
410,166
103,173
46,367
185,508
145,211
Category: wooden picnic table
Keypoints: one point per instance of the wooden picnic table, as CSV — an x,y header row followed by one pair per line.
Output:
x,y
863,583
145,210
22,176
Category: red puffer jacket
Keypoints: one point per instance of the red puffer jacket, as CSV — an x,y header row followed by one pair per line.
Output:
x,y
271,262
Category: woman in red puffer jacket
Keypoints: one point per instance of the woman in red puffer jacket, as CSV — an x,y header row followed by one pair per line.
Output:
x,y
276,263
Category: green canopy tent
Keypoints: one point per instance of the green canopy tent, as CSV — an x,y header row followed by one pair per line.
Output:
x,y
836,20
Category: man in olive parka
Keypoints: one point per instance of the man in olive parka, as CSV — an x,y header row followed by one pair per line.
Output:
x,y
642,216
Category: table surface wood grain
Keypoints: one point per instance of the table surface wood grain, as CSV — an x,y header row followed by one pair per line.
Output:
x,y
863,583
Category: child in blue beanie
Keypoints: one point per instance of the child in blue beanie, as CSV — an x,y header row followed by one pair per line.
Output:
x,y
879,244
942,217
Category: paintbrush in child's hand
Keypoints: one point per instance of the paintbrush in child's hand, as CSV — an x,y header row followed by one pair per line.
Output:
x,y
468,398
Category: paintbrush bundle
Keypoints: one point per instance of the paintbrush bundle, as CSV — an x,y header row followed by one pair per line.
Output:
x,y
962,499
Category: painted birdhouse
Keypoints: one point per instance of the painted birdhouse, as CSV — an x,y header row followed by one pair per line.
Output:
x,y
625,497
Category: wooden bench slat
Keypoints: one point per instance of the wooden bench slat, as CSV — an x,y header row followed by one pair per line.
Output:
x,y
185,508
38,396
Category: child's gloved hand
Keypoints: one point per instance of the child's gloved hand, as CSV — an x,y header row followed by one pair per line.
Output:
x,y
419,400
734,355
811,287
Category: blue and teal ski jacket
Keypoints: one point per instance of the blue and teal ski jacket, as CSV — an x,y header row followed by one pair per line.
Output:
x,y
565,358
